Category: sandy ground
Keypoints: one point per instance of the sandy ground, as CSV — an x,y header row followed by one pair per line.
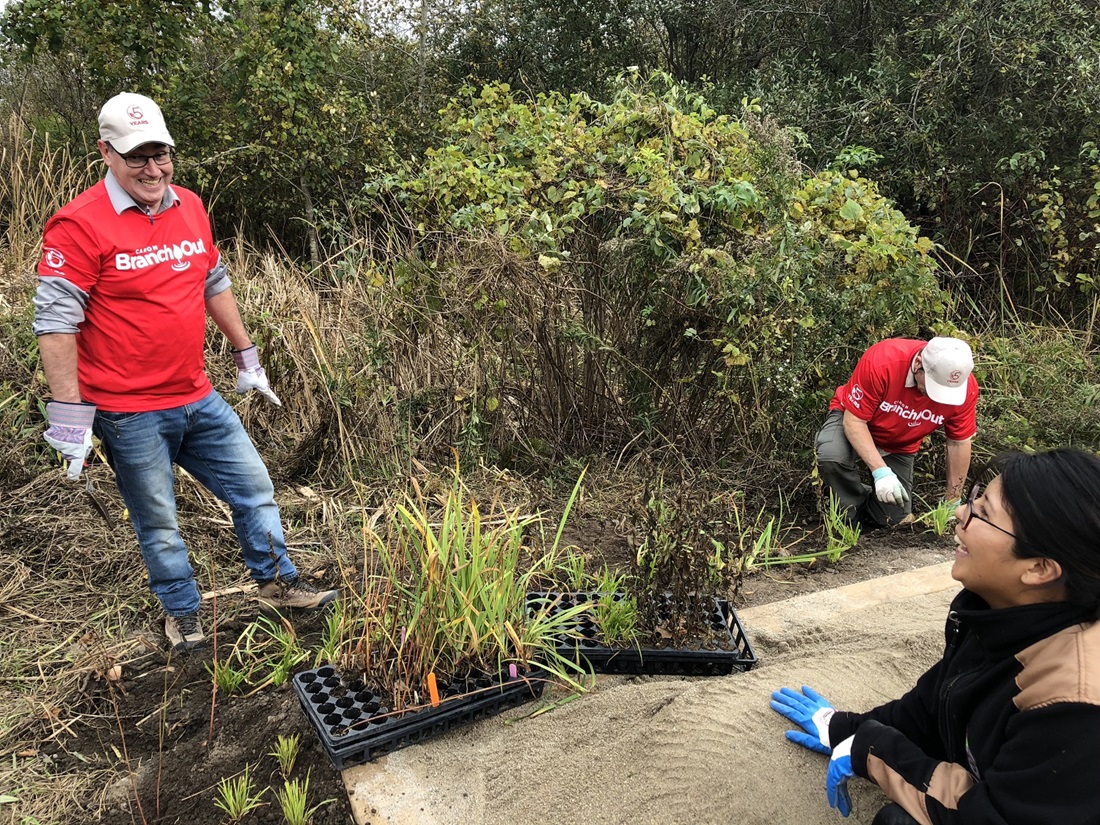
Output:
x,y
671,750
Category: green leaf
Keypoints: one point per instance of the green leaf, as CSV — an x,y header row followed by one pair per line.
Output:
x,y
851,211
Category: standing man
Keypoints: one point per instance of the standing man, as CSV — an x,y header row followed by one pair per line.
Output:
x,y
129,273
901,391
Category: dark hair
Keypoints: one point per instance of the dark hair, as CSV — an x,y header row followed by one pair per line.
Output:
x,y
1054,501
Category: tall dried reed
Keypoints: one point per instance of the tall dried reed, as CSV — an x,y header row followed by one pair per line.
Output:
x,y
37,177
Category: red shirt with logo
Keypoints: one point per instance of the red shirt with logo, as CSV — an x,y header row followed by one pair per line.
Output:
x,y
140,346
899,417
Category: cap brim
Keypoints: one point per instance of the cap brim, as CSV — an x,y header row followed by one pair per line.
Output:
x,y
127,144
952,396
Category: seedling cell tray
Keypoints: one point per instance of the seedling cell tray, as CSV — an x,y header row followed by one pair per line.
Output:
x,y
583,645
354,725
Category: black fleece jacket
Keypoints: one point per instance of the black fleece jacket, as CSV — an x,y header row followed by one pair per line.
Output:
x,y
1005,728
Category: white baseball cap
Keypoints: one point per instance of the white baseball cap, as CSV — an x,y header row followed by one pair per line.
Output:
x,y
947,364
128,120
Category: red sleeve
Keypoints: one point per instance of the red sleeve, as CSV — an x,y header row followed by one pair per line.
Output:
x,y
865,389
69,252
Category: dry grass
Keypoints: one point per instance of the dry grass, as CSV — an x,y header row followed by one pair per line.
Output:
x,y
36,179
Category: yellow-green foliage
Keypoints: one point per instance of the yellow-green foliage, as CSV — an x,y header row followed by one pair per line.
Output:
x,y
656,162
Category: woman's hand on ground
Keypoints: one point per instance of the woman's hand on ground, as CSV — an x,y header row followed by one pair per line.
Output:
x,y
810,711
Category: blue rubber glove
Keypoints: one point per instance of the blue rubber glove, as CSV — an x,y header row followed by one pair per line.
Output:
x,y
888,487
836,778
810,711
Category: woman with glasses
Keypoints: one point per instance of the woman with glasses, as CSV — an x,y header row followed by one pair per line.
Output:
x,y
1005,728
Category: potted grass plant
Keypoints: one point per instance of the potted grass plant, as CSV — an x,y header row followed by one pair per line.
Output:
x,y
672,611
438,633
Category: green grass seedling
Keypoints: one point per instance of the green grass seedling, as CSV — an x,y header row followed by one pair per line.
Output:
x,y
617,618
764,546
332,634
938,519
841,535
227,678
270,647
236,797
294,802
285,753
574,576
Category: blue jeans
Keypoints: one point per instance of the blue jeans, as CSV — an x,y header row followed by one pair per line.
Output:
x,y
208,440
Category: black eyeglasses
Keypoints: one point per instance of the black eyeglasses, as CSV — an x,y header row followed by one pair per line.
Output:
x,y
161,158
976,491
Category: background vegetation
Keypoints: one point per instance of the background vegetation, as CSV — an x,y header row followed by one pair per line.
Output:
x,y
542,232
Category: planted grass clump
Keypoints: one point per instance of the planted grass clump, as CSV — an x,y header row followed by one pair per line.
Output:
x,y
671,613
265,654
689,553
938,519
439,632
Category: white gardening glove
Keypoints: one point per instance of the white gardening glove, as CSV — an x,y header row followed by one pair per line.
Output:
x,y
250,375
888,487
70,432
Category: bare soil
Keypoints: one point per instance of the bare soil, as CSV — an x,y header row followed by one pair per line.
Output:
x,y
178,740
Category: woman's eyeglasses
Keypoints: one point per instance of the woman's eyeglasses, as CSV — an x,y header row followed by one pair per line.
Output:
x,y
976,491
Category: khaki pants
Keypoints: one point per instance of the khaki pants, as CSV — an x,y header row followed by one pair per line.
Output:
x,y
839,468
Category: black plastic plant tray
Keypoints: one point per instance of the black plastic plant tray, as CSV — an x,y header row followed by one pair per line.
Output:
x,y
355,727
584,645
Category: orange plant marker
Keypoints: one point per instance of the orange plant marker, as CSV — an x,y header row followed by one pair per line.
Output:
x,y
433,690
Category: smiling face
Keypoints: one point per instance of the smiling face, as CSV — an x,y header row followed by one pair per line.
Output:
x,y
986,564
146,185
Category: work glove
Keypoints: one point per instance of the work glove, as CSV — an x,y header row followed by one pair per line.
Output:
x,y
70,432
888,487
250,375
810,711
836,778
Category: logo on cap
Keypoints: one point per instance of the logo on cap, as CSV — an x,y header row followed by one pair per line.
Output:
x,y
135,112
955,377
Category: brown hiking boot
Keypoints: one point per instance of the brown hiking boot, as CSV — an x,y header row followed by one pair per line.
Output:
x,y
184,632
297,594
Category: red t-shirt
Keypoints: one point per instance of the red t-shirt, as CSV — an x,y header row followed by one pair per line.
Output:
x,y
899,417
140,346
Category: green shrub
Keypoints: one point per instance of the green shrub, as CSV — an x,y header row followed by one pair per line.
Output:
x,y
643,271
1040,389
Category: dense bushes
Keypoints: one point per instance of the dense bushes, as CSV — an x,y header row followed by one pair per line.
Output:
x,y
651,272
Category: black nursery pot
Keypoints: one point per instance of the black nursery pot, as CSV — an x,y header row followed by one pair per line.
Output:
x,y
355,726
730,652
